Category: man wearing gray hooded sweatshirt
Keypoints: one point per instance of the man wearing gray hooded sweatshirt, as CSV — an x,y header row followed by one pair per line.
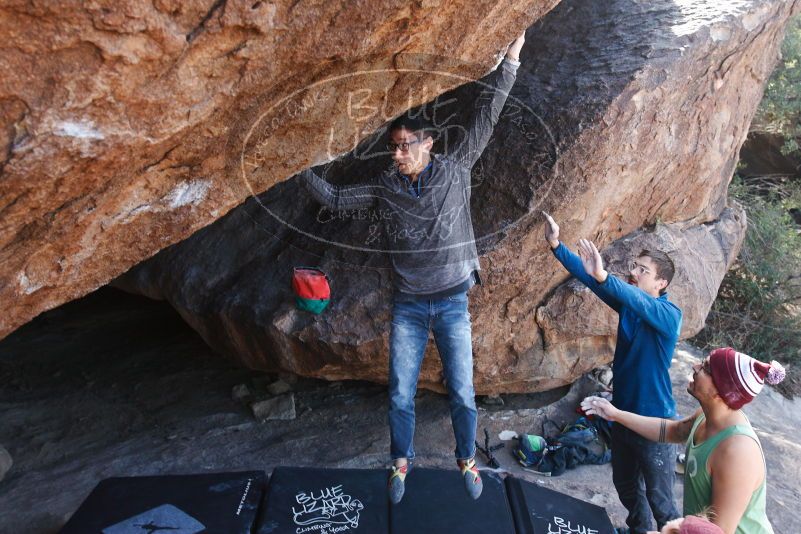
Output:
x,y
426,201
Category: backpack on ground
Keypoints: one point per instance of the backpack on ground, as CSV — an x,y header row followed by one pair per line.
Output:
x,y
576,444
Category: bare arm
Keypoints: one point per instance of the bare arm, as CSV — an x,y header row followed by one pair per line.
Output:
x,y
737,469
513,52
652,428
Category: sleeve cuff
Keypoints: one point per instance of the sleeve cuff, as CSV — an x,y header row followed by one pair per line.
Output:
x,y
511,63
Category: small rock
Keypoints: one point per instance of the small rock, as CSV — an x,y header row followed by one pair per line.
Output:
x,y
492,400
281,407
279,387
5,462
241,393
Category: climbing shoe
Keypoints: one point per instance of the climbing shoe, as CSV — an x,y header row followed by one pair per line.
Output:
x,y
397,482
471,477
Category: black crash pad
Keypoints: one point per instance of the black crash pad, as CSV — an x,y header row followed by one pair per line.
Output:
x,y
325,501
178,504
541,510
436,502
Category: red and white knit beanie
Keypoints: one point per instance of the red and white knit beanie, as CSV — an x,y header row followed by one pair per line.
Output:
x,y
739,378
693,524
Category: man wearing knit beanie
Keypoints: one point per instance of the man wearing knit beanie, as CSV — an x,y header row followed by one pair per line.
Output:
x,y
725,470
739,378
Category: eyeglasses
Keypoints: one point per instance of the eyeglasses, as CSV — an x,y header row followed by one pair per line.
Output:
x,y
705,367
637,268
404,147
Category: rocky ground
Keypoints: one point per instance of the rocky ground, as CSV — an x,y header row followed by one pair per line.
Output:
x,y
118,385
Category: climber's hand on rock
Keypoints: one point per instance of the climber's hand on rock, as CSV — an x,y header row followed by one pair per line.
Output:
x,y
513,52
551,231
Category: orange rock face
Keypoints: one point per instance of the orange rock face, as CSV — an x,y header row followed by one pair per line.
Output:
x,y
124,125
624,116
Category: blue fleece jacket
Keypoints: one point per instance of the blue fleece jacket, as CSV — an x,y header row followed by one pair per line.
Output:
x,y
647,334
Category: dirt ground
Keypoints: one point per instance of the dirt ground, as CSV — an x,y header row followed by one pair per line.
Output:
x,y
116,385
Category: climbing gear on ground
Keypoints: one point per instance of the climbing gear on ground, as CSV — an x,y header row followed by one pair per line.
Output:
x,y
578,443
488,449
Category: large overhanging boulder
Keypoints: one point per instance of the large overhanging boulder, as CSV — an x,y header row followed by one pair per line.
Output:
x,y
122,123
624,116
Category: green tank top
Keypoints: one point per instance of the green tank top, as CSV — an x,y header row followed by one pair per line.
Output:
x,y
698,483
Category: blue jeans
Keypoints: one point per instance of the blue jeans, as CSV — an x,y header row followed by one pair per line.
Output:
x,y
449,319
642,471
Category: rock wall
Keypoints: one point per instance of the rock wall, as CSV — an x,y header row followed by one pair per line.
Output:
x,y
624,116
122,123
